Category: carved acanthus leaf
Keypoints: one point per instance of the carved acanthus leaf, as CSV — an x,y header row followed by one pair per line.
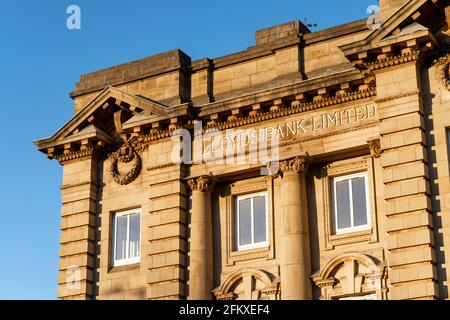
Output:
x,y
299,165
375,148
202,184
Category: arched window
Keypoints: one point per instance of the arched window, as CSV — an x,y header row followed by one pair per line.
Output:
x,y
249,284
352,276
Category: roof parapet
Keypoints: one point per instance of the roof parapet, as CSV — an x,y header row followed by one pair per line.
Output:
x,y
286,30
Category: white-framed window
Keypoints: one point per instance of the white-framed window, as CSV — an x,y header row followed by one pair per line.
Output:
x,y
251,221
351,203
126,237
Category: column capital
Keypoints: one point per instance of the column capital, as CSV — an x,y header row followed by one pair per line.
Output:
x,y
375,147
298,165
202,184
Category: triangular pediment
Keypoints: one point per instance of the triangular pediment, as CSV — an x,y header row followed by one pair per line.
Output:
x,y
416,18
97,119
396,21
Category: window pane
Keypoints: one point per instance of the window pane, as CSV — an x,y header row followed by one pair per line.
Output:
x,y
359,201
259,207
135,227
245,220
343,204
121,237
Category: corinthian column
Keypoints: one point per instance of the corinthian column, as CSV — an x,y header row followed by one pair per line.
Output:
x,y
201,279
294,239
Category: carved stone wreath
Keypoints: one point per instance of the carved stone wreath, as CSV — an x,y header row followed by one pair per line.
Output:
x,y
445,72
125,154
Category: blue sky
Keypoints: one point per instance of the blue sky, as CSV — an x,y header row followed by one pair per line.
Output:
x,y
40,62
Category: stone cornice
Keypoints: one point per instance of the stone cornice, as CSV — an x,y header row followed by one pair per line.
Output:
x,y
140,142
161,166
289,100
73,155
296,108
333,79
77,185
393,61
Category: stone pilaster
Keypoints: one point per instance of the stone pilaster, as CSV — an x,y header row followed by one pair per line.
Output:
x,y
166,233
77,253
201,276
404,161
295,261
202,82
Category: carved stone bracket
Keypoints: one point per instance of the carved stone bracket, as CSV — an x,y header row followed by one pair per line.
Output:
x,y
202,184
375,147
326,283
298,165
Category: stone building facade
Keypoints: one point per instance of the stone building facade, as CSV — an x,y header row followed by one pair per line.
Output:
x,y
313,165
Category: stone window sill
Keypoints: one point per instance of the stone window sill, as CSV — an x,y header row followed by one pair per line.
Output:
x,y
250,254
356,236
129,267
